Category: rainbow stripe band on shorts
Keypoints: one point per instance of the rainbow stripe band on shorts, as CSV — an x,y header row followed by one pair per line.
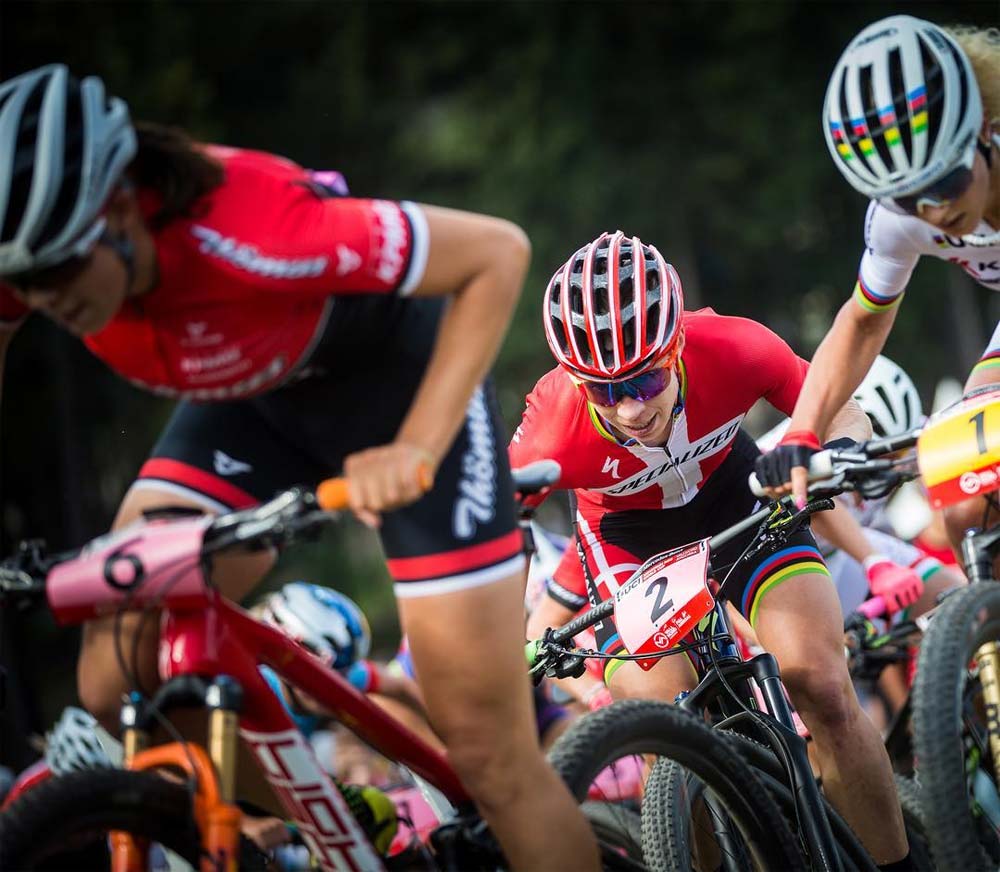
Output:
x,y
777,569
868,299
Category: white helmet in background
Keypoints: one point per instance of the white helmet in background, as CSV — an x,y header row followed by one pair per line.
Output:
x,y
326,622
74,743
902,108
889,397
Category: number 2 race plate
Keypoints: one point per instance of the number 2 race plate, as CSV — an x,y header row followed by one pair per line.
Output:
x,y
664,600
959,450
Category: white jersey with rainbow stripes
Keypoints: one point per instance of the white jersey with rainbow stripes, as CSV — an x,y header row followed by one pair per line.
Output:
x,y
893,245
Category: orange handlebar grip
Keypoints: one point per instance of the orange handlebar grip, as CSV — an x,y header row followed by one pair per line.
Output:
x,y
425,478
332,494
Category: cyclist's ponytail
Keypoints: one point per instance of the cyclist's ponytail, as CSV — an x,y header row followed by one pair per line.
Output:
x,y
982,47
170,162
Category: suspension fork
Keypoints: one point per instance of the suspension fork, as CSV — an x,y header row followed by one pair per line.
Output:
x,y
988,658
214,772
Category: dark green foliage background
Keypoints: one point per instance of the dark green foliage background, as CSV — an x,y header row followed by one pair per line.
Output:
x,y
694,125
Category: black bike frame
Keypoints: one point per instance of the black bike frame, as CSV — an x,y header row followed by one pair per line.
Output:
x,y
722,674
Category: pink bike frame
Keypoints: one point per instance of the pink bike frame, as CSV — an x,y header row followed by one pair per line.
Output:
x,y
160,564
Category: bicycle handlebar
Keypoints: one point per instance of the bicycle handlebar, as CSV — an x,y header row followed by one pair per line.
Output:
x,y
864,467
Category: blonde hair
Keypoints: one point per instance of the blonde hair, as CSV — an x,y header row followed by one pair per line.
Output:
x,y
982,47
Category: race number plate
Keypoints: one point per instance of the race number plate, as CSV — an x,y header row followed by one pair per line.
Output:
x,y
959,450
664,600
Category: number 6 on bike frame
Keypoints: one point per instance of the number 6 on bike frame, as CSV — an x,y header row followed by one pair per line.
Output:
x,y
165,564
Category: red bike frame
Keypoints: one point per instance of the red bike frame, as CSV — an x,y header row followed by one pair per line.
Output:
x,y
159,564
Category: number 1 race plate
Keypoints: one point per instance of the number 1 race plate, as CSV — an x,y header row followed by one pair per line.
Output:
x,y
959,450
664,600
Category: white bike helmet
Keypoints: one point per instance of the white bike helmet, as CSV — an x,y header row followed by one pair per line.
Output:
x,y
326,622
889,397
73,743
63,146
902,108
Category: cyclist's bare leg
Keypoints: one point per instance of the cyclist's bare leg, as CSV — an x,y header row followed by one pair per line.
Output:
x,y
468,651
663,682
99,675
800,622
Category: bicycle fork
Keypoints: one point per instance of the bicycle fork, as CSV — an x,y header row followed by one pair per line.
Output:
x,y
214,773
988,658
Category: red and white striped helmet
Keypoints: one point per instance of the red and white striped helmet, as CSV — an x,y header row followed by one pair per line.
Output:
x,y
606,320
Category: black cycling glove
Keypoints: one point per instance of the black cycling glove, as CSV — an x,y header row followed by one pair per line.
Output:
x,y
774,469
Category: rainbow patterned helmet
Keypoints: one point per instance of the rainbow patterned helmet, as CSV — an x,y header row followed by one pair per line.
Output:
x,y
606,320
902,108
326,622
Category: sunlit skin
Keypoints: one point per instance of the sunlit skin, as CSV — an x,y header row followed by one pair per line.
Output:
x,y
648,422
86,300
980,200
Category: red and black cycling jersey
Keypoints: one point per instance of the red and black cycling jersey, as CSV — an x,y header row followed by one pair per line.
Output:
x,y
245,287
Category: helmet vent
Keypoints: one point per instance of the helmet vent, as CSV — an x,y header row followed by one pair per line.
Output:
x,y
898,90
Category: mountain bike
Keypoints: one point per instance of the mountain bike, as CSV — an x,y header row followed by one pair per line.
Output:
x,y
690,816
210,651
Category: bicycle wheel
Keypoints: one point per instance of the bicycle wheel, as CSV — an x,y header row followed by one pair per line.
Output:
x,y
960,799
645,727
684,828
56,821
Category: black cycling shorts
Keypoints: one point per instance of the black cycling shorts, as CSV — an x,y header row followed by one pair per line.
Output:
x,y
357,388
632,537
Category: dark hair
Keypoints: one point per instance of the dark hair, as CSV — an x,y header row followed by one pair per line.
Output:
x,y
169,162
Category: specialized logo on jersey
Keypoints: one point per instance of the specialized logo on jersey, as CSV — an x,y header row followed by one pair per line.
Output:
x,y
708,445
612,467
226,465
247,257
477,487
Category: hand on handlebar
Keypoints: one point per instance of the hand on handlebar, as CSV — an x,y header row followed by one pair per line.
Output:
x,y
785,468
387,477
899,586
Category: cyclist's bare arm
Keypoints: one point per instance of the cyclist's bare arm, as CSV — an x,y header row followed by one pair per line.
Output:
x,y
482,262
849,422
839,365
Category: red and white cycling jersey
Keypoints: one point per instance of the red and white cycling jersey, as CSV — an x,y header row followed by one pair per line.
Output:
x,y
727,365
246,286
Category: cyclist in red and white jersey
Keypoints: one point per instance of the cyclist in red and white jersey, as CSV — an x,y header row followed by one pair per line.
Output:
x,y
295,327
912,120
643,416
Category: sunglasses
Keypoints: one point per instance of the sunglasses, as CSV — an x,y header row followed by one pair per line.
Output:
x,y
57,274
642,387
942,192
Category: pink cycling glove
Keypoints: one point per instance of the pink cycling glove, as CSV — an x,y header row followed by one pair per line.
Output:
x,y
899,586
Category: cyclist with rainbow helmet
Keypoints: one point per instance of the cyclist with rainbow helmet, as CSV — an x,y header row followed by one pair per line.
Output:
x,y
912,121
254,291
642,413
